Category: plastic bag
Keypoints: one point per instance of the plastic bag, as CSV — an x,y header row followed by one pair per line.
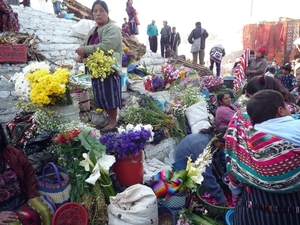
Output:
x,y
39,160
38,143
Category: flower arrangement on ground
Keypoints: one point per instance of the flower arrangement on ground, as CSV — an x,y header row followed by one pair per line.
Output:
x,y
145,110
127,141
84,157
171,73
127,57
99,64
43,88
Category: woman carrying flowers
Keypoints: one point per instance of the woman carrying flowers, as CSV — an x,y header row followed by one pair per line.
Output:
x,y
193,145
107,38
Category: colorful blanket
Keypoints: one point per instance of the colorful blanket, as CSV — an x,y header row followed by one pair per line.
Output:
x,y
260,159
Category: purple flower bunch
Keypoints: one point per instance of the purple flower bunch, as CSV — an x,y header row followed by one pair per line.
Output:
x,y
126,142
158,83
126,59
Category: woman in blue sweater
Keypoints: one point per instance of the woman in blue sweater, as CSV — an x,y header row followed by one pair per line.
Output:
x,y
192,145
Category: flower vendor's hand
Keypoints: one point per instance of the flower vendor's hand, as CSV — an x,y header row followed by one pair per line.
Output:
x,y
79,59
224,204
80,51
7,217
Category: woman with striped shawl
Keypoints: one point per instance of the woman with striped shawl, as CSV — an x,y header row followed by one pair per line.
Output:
x,y
264,166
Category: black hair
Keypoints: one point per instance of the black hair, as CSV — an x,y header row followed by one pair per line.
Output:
x,y
198,23
3,139
272,69
259,83
252,52
264,105
221,95
213,130
167,46
173,27
102,3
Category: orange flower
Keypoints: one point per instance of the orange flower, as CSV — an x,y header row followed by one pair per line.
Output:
x,y
182,74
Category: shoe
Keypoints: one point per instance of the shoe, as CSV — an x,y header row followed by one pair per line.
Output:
x,y
109,128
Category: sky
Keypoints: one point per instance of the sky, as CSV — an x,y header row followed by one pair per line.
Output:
x,y
222,18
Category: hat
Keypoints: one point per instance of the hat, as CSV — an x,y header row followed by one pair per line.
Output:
x,y
261,49
287,68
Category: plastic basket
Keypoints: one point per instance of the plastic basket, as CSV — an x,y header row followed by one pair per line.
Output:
x,y
13,53
213,209
165,211
229,217
70,213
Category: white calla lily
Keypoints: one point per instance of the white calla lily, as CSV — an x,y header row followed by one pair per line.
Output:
x,y
94,176
87,158
106,161
85,164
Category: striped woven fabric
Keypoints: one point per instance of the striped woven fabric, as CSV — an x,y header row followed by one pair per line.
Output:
x,y
259,159
240,70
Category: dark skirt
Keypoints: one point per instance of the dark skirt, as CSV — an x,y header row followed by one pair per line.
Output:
x,y
108,94
264,208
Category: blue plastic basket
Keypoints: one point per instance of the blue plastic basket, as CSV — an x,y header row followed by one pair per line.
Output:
x,y
229,217
165,210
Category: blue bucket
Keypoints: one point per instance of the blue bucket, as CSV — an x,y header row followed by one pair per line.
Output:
x,y
229,217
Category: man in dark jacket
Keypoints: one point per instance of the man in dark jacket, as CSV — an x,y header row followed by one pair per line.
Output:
x,y
165,37
197,39
175,40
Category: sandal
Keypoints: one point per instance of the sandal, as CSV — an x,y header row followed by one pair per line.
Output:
x,y
109,128
102,125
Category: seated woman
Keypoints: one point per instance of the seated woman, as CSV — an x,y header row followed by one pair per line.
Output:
x,y
263,162
225,110
18,186
192,145
296,91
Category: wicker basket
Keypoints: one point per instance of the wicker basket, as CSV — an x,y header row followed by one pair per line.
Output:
x,y
83,98
13,53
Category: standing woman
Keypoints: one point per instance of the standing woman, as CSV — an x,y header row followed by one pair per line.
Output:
x,y
106,36
258,64
132,18
226,109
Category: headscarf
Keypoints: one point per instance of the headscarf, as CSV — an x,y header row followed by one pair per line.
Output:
x,y
261,49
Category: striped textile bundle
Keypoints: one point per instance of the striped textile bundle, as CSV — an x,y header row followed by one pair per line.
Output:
x,y
240,70
261,160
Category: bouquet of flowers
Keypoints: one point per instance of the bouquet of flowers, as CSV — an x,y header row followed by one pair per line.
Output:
x,y
128,140
192,175
146,111
99,64
70,147
155,83
43,88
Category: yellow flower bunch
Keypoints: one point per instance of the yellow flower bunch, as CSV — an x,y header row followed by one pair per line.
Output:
x,y
46,88
100,64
